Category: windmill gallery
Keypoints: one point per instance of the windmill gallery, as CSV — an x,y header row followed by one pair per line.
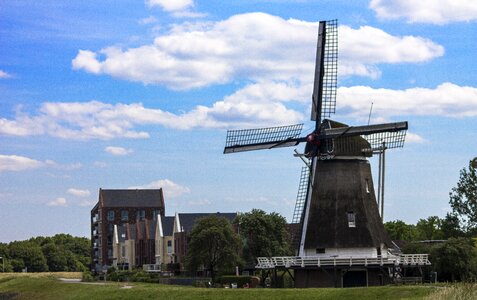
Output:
x,y
340,240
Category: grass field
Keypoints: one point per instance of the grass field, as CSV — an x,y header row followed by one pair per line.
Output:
x,y
48,286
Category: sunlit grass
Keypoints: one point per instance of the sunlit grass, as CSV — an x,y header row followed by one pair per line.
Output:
x,y
45,286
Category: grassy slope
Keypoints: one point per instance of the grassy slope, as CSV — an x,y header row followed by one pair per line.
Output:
x,y
51,288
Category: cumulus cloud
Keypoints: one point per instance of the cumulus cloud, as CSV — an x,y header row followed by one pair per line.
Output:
x,y
366,47
426,11
58,202
250,46
447,99
18,163
414,138
169,188
255,105
4,75
78,192
117,151
171,5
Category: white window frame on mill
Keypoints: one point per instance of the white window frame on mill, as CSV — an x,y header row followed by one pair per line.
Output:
x,y
351,216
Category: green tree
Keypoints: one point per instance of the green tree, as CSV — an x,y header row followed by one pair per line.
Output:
x,y
450,227
30,254
56,258
463,197
455,260
262,235
213,245
398,230
429,229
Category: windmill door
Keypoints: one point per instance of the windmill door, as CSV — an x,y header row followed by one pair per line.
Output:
x,y
355,278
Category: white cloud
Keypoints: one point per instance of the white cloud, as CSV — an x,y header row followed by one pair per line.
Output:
x,y
169,188
78,192
426,11
250,46
58,202
117,151
447,100
5,75
255,105
18,163
171,5
364,48
414,138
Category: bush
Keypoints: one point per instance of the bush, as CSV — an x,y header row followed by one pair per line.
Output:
x,y
239,280
87,276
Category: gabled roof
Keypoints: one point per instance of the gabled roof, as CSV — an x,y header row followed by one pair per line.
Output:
x,y
187,220
167,226
132,198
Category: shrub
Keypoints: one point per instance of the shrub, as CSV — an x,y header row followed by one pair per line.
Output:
x,y
87,276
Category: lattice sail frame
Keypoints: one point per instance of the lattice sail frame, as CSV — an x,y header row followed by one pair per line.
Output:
x,y
262,135
301,195
330,65
389,140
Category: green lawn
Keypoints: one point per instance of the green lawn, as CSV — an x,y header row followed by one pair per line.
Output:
x,y
49,287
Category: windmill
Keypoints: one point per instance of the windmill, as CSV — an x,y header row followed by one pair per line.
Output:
x,y
336,210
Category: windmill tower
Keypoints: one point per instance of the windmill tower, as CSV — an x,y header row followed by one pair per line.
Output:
x,y
342,240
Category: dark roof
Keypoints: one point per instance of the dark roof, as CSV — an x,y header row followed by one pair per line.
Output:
x,y
188,220
131,198
167,225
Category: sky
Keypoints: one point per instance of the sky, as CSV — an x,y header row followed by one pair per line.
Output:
x,y
140,94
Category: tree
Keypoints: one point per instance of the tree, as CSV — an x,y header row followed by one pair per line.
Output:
x,y
429,229
398,230
450,226
463,198
213,245
454,260
263,235
29,255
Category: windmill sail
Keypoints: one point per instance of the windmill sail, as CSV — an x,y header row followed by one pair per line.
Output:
x,y
262,138
326,71
301,195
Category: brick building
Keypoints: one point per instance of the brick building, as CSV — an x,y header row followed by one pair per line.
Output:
x,y
135,212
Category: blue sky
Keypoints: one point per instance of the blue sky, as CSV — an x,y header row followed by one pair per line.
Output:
x,y
139,94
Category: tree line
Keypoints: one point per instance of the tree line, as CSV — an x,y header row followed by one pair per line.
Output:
x,y
61,252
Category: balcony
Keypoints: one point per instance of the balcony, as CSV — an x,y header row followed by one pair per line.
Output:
x,y
95,219
151,268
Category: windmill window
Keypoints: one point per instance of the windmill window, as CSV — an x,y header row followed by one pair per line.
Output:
x,y
367,186
351,219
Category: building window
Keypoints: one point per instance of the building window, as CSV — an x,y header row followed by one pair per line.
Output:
x,y
124,215
169,247
123,251
111,215
320,250
351,219
141,214
110,228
